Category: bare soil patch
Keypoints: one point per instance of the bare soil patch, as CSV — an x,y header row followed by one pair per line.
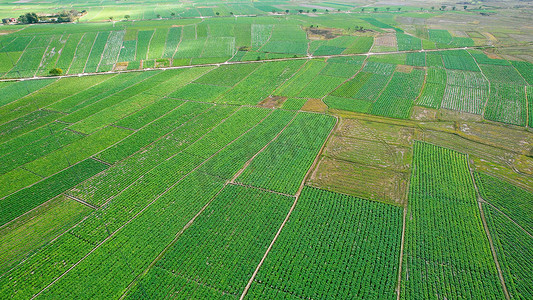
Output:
x,y
316,33
272,102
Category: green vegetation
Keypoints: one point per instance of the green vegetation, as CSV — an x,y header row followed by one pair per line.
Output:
x,y
367,234
442,189
265,150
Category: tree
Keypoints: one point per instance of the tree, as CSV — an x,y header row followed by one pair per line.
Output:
x,y
465,7
421,9
217,13
453,8
433,8
388,8
5,21
375,9
29,18
314,10
173,14
286,11
301,11
338,9
363,9
443,7
399,8
55,72
110,18
127,17
158,16
231,13
273,11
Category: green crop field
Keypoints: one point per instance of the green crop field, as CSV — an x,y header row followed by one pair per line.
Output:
x,y
266,150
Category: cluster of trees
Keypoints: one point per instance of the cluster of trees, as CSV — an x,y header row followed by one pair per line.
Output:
x,y
28,18
64,16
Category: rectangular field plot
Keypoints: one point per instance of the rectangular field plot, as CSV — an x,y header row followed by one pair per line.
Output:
x,y
281,167
199,92
320,86
347,247
465,91
502,74
261,83
292,87
464,99
507,104
237,228
459,60
400,94
446,252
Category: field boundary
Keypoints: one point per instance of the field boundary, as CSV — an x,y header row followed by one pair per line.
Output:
x,y
237,62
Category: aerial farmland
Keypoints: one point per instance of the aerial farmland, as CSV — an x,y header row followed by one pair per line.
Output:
x,y
266,149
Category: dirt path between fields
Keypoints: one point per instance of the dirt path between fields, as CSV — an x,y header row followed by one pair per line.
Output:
x,y
241,62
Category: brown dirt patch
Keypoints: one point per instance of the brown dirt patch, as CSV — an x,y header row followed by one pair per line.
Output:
x,y
492,55
404,68
272,102
323,33
121,66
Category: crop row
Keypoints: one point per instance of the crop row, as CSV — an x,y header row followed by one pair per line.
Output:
x,y
502,74
507,198
465,99
459,60
466,79
281,167
260,84
292,87
400,94
507,104
432,95
514,250
237,227
26,199
347,247
443,203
